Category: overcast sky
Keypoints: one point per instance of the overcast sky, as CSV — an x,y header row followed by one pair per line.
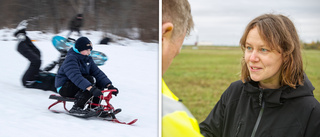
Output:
x,y
222,22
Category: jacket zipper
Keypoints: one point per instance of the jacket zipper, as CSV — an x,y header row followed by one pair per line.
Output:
x,y
261,103
238,129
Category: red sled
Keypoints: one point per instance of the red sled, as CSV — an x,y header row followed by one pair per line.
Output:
x,y
108,107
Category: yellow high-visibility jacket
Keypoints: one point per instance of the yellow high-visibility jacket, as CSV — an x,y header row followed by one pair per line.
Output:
x,y
177,121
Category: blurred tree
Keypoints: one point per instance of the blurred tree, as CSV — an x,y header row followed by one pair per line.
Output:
x,y
135,19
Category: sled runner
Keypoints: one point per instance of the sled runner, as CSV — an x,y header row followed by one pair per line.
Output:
x,y
109,110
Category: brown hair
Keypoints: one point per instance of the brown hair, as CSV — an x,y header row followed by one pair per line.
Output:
x,y
178,12
279,33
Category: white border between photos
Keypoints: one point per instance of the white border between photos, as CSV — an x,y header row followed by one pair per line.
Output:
x,y
160,72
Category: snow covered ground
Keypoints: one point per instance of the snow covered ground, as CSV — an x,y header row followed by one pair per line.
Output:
x,y
133,69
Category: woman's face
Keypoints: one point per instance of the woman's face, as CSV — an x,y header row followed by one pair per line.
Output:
x,y
263,63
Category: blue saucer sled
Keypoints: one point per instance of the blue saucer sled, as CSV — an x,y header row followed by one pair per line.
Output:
x,y
63,45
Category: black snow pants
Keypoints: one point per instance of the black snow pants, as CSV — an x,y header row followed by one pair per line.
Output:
x,y
32,78
70,90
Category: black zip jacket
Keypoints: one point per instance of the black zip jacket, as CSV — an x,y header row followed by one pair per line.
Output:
x,y
245,110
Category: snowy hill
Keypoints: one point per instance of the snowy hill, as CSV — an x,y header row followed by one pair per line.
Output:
x,y
133,69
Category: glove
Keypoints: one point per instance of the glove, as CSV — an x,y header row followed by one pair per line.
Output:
x,y
95,91
114,92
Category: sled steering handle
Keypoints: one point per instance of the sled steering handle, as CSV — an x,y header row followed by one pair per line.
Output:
x,y
110,90
109,96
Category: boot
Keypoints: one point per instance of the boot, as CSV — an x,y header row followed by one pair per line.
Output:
x,y
78,111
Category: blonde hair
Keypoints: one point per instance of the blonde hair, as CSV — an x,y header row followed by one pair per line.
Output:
x,y
279,33
178,12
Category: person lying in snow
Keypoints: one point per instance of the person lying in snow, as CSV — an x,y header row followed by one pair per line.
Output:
x,y
34,77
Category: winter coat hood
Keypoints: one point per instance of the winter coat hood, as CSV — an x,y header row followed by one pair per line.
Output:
x,y
275,97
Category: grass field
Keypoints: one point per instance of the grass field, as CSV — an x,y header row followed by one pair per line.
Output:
x,y
200,76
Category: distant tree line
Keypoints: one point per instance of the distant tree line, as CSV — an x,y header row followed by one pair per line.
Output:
x,y
119,17
312,45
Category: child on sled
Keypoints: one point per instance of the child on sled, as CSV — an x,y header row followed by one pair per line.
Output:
x,y
80,78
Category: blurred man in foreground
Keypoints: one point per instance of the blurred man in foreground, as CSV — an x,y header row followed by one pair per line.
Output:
x,y
176,24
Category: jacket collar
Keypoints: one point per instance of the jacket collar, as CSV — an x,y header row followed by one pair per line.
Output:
x,y
79,55
275,97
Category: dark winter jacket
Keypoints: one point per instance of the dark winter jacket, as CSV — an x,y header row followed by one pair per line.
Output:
x,y
283,112
75,24
75,67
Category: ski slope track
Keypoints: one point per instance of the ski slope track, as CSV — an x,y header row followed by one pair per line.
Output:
x,y
132,68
